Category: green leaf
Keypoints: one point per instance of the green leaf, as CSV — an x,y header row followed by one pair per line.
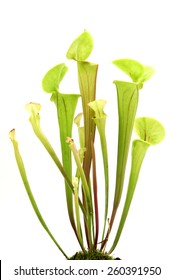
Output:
x,y
100,120
81,136
87,74
53,77
95,197
139,149
127,94
76,203
85,186
33,109
127,106
81,47
147,74
149,130
77,119
66,106
131,67
97,106
135,70
22,171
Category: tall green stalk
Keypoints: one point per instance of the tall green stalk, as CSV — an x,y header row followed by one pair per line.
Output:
x,y
100,120
22,171
79,51
151,132
77,210
139,150
65,105
95,194
85,187
34,109
127,106
87,73
127,94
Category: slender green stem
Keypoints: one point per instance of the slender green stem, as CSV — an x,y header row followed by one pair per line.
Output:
x,y
66,105
82,149
139,150
81,137
101,128
127,105
95,192
29,192
76,199
100,121
85,187
35,122
87,73
79,51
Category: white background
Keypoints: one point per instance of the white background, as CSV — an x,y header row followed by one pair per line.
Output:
x,y
35,36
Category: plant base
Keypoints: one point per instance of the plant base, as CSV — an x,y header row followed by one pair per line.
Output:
x,y
92,255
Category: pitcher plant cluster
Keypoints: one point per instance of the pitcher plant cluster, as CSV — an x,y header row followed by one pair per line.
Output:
x,y
81,187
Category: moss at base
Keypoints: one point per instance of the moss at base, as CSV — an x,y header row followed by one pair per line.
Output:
x,y
91,255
